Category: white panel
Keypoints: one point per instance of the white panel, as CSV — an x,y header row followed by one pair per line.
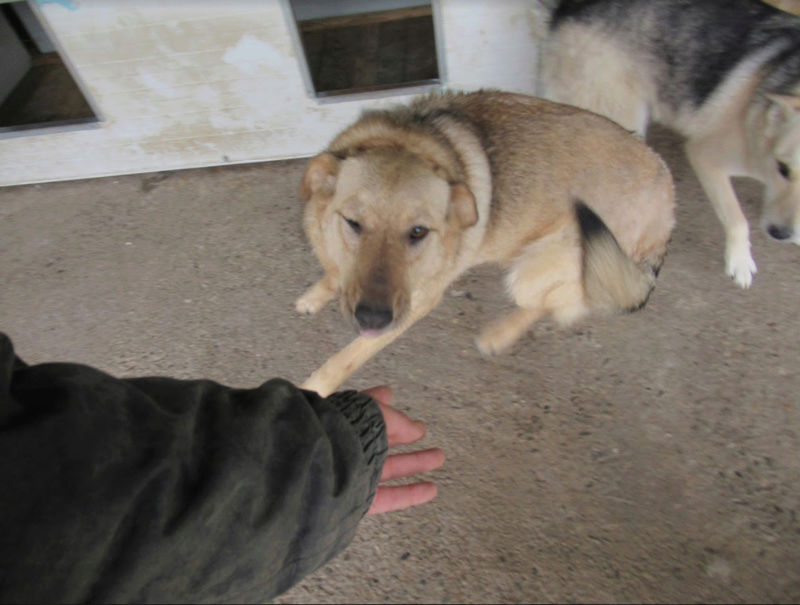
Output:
x,y
491,43
314,9
189,84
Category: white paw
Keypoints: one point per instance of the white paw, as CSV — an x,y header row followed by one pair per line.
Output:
x,y
312,383
307,305
493,342
739,265
319,385
314,299
485,346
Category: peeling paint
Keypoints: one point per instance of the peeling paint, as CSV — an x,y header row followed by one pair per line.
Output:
x,y
157,85
207,96
251,53
68,4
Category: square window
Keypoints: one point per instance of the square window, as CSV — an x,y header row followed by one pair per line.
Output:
x,y
349,49
37,89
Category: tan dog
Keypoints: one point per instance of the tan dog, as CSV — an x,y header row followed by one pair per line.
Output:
x,y
403,201
790,6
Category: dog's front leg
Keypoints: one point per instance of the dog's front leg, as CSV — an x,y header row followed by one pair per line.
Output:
x,y
318,295
739,263
340,366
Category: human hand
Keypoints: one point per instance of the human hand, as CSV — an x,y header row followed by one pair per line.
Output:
x,y
401,430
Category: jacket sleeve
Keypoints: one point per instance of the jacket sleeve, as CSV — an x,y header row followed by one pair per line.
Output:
x,y
156,489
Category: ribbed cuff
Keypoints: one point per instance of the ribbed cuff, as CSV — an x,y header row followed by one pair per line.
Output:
x,y
364,414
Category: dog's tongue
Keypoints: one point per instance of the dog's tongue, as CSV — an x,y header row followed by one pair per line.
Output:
x,y
370,333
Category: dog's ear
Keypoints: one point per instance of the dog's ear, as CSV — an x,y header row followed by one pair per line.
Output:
x,y
789,105
463,206
320,176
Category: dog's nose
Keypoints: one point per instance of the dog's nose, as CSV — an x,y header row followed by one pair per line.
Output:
x,y
372,317
779,232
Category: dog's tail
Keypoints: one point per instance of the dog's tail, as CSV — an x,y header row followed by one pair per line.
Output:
x,y
611,279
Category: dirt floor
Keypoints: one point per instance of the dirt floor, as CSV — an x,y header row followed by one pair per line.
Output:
x,y
650,457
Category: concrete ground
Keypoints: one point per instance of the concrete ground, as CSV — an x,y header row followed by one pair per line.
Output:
x,y
650,457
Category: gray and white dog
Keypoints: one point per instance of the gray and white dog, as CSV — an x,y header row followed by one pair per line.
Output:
x,y
723,73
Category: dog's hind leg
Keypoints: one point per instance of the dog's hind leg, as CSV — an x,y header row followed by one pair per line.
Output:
x,y
318,295
504,332
545,279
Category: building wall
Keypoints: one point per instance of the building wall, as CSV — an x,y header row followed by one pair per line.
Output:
x,y
315,9
184,84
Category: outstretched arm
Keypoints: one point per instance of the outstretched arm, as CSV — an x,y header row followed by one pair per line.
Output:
x,y
158,489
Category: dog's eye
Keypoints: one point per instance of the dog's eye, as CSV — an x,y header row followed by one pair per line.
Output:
x,y
417,232
354,225
783,168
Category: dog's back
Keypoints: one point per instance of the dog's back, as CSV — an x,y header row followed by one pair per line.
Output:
x,y
661,60
621,221
537,175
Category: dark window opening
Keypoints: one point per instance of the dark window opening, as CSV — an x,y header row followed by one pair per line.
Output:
x,y
37,89
369,51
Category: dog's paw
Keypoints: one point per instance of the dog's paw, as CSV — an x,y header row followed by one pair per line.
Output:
x,y
494,341
314,298
317,383
306,305
313,383
740,266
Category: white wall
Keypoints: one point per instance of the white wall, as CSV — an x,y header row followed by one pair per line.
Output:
x,y
314,9
185,84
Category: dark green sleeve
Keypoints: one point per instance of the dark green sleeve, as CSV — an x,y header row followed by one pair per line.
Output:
x,y
156,489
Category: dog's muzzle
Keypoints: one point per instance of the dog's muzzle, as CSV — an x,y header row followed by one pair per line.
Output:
x,y
372,317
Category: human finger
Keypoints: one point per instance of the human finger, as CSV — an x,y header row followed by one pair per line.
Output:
x,y
382,394
405,465
400,429
397,497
